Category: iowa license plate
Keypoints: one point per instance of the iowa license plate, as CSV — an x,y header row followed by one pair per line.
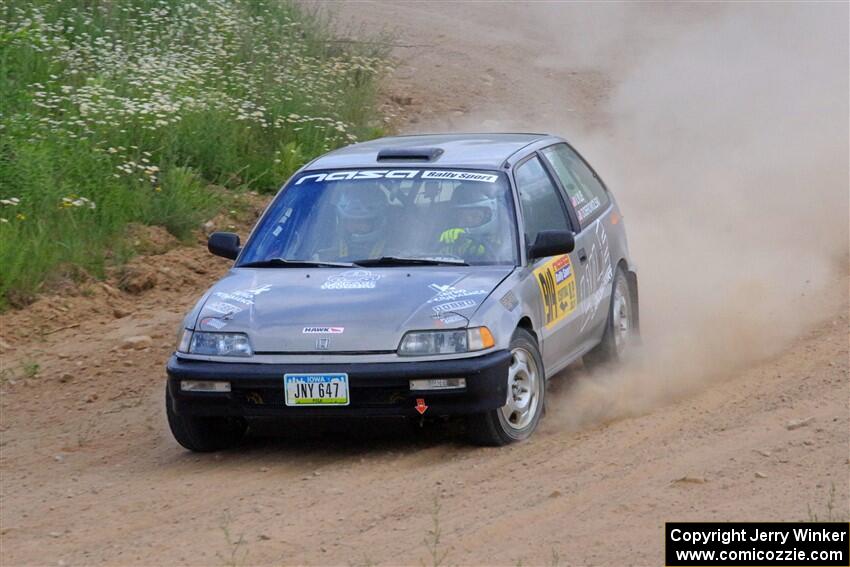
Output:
x,y
316,389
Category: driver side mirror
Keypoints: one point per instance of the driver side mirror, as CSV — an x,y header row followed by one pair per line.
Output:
x,y
224,244
552,243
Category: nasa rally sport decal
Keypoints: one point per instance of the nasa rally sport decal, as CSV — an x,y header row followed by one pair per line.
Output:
x,y
557,284
358,175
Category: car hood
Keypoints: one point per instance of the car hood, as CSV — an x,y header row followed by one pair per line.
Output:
x,y
323,310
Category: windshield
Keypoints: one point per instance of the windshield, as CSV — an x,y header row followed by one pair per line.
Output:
x,y
392,215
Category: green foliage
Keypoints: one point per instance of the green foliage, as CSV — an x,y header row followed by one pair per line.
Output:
x,y
119,112
30,369
174,203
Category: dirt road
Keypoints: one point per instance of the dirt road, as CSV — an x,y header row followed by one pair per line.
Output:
x,y
90,474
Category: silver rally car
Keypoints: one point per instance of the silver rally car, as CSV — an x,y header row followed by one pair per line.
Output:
x,y
410,276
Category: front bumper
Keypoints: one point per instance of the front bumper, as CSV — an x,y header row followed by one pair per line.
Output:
x,y
375,389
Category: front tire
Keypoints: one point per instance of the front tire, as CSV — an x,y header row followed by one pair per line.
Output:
x,y
620,328
204,434
518,418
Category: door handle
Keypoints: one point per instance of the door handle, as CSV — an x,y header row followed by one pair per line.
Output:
x,y
582,255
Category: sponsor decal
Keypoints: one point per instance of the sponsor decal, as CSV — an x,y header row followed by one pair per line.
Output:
x,y
234,297
352,279
460,175
563,269
596,277
454,306
577,197
323,330
223,308
450,293
509,301
243,296
213,322
588,209
255,291
557,284
357,175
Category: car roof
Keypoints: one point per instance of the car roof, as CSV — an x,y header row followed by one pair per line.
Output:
x,y
474,151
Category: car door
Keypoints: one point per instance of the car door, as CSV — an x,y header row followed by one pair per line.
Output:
x,y
543,208
589,201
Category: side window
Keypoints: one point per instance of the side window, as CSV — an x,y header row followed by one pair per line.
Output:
x,y
542,207
584,190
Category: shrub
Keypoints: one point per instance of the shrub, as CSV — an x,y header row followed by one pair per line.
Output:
x,y
119,112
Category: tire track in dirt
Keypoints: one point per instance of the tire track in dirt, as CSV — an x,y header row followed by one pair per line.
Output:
x,y
128,494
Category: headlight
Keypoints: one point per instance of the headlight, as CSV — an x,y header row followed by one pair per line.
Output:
x,y
220,344
419,343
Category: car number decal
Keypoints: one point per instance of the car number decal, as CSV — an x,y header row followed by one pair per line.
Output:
x,y
557,284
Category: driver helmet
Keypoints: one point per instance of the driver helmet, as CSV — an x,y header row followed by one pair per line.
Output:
x,y
475,210
362,214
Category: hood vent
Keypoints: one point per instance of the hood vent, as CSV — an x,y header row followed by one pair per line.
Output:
x,y
409,154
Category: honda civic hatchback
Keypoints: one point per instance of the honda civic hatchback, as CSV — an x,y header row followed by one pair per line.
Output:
x,y
410,276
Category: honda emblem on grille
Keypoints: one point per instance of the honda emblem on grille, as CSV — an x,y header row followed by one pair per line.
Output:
x,y
323,343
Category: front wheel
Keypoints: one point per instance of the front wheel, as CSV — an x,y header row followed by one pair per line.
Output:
x,y
204,434
518,418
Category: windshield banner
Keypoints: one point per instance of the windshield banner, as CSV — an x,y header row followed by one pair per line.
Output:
x,y
400,174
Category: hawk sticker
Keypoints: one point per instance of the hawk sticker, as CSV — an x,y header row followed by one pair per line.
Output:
x,y
557,284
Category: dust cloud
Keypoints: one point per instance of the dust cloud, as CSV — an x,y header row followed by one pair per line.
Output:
x,y
724,135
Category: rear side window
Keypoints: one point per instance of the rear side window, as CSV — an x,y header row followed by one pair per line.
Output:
x,y
542,207
584,190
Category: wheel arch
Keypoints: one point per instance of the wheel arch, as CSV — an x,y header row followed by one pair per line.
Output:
x,y
526,324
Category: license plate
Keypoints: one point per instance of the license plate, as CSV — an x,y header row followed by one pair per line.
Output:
x,y
316,389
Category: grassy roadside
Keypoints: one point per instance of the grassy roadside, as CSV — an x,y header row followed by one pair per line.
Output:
x,y
123,112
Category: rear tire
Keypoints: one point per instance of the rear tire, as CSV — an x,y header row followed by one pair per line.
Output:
x,y
518,418
204,434
620,328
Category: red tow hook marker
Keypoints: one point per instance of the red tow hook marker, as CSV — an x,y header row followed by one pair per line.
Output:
x,y
420,406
